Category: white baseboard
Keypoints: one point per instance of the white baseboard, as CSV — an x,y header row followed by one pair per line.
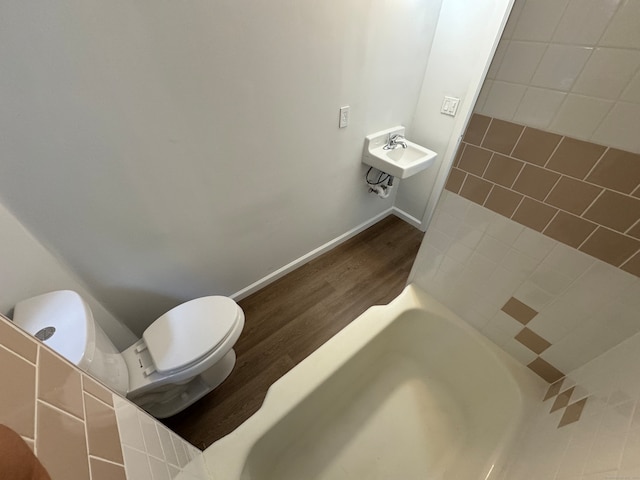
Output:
x,y
411,220
272,277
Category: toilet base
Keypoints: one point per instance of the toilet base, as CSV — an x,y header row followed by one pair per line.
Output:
x,y
184,395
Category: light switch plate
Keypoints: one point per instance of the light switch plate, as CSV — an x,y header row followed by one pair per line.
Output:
x,y
450,106
344,117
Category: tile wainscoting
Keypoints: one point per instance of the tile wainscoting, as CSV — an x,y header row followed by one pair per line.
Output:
x,y
551,306
605,443
78,428
582,194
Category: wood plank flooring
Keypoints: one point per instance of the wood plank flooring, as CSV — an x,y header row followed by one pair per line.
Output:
x,y
293,316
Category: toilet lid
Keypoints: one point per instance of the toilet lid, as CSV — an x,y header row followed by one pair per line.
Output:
x,y
190,331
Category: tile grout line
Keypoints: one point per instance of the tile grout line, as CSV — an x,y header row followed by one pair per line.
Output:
x,y
633,225
35,404
510,154
591,205
596,163
16,354
106,460
60,410
486,131
85,425
562,137
544,200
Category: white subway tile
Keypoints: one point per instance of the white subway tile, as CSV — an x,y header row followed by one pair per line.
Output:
x,y
560,66
533,296
505,230
584,21
538,20
580,116
632,91
534,244
538,107
607,73
623,30
503,100
620,127
519,61
136,464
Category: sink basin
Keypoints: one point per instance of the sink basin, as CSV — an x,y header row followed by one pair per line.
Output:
x,y
399,162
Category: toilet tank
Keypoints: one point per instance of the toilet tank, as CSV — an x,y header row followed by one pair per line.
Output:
x,y
63,321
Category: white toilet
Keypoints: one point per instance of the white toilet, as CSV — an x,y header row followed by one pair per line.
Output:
x,y
182,356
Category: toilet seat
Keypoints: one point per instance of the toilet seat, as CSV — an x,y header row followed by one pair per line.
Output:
x,y
189,332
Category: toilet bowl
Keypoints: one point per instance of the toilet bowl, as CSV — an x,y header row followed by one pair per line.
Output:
x,y
183,355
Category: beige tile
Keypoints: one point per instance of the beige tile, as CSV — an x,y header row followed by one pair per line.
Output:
x,y
538,107
545,370
474,160
59,383
502,99
502,136
102,430
503,170
475,189
536,146
532,341
455,180
573,195
97,390
518,310
569,229
623,30
534,214
618,170
632,265
503,201
61,444
560,66
573,412
619,129
101,470
520,61
554,389
476,129
12,338
575,157
584,21
580,115
610,246
607,73
562,400
17,401
535,181
615,211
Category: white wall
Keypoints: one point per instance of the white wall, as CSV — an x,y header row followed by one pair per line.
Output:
x,y
465,39
28,269
169,150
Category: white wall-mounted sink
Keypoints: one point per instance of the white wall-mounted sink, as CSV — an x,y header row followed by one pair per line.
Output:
x,y
399,162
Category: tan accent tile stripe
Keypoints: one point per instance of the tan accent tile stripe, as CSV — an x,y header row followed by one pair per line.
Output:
x,y
579,193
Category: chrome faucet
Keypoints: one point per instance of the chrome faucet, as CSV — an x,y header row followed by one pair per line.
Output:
x,y
395,140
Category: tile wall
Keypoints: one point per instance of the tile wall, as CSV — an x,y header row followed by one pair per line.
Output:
x,y
78,428
551,306
570,67
605,443
582,194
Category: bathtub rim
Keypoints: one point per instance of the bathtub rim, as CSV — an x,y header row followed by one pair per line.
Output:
x,y
226,458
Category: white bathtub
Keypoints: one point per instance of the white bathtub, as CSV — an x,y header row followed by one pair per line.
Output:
x,y
407,391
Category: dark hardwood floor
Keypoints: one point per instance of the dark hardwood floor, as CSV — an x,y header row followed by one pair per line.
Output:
x,y
293,316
